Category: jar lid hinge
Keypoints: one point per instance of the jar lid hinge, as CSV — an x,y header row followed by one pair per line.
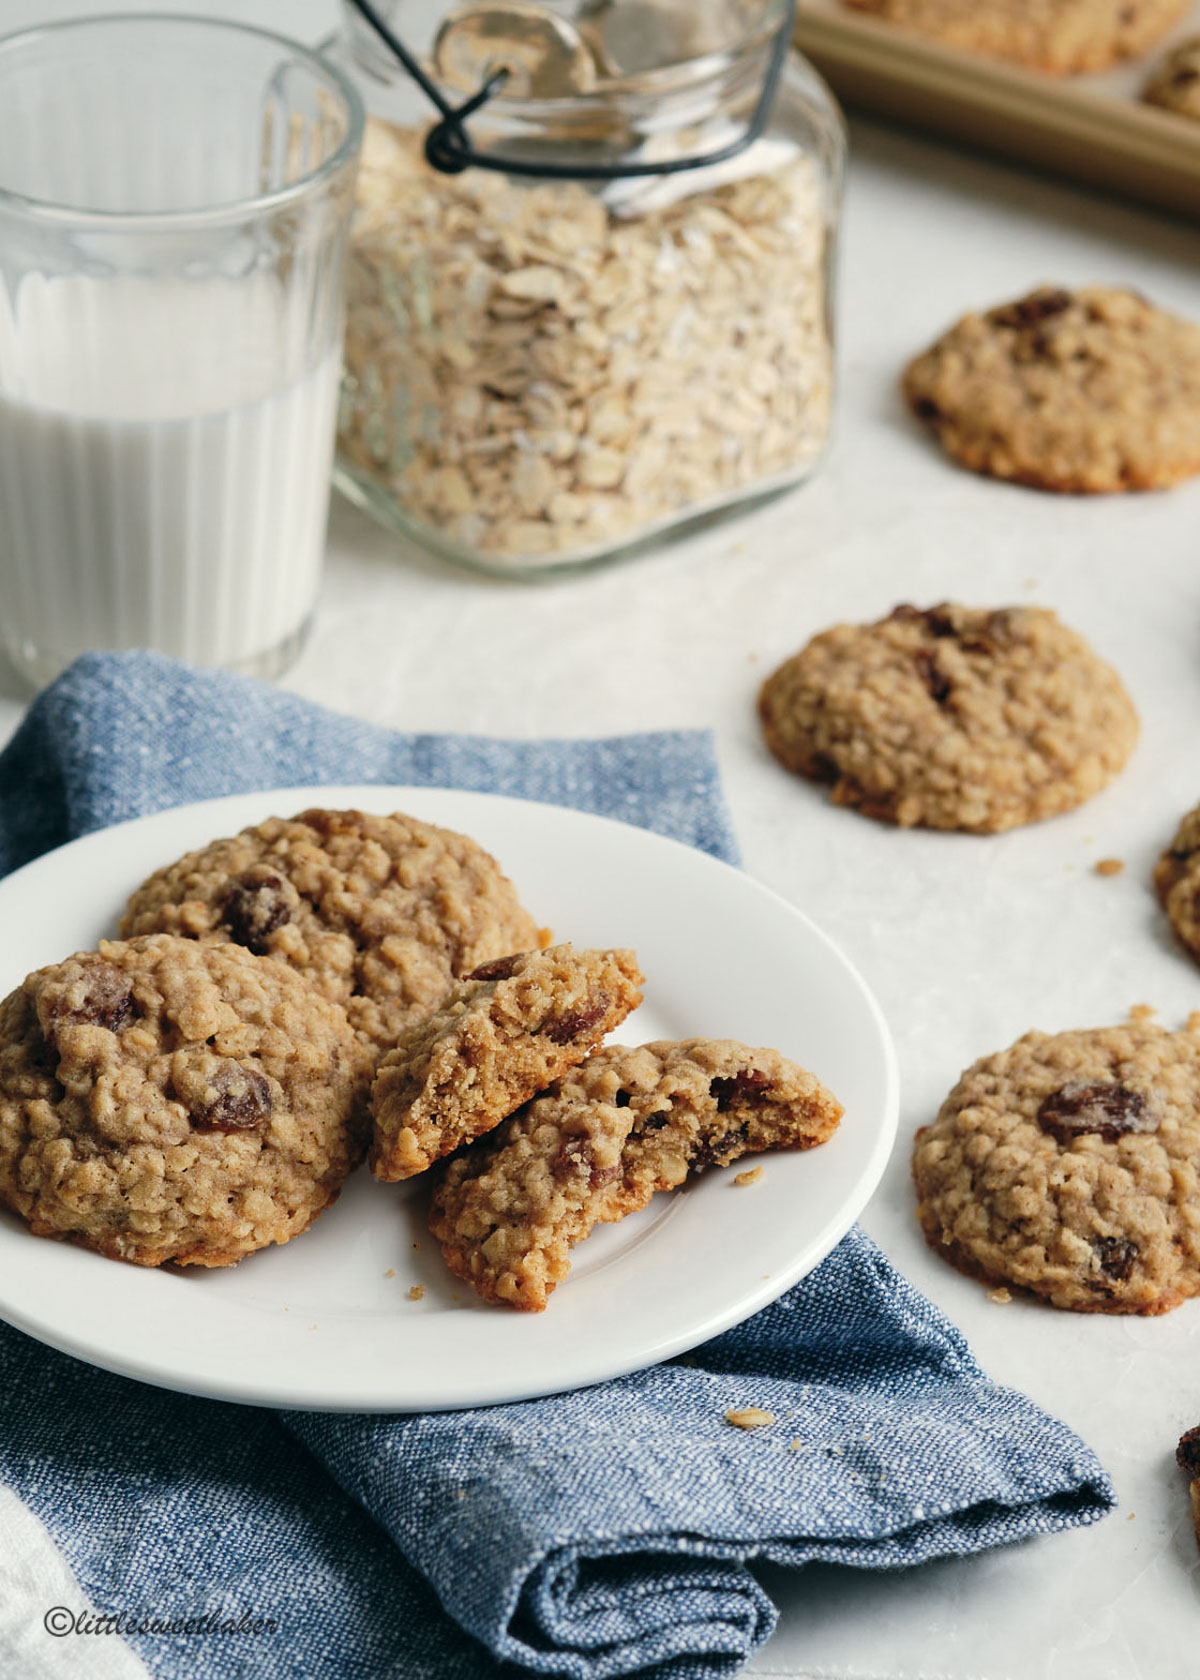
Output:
x,y
448,146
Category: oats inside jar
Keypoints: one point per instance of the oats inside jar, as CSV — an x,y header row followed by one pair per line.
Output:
x,y
537,373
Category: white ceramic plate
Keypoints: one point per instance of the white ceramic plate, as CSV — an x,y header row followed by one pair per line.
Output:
x,y
326,1322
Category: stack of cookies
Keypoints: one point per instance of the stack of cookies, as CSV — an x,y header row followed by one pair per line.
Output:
x,y
286,1000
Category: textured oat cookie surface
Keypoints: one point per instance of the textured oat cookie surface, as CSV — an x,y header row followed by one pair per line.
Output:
x,y
1060,36
381,914
1068,1165
1175,85
600,1142
502,1035
1090,391
952,717
1177,882
167,1100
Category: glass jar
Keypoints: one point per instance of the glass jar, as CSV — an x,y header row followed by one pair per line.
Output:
x,y
543,373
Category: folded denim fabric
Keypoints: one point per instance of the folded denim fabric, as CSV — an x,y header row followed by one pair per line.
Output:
x,y
120,735
606,1532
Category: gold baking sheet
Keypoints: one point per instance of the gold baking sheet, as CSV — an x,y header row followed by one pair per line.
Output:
x,y
1093,128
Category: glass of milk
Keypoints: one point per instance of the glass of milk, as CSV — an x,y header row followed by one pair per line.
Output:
x,y
174,204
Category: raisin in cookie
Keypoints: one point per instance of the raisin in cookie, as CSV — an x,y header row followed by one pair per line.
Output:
x,y
1175,85
1068,1165
1177,882
953,717
598,1144
382,914
1059,36
167,1100
503,1034
1087,392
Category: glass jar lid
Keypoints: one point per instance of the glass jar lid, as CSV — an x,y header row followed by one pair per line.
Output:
x,y
567,57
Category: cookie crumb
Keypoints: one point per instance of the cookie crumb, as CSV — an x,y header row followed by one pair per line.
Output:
x,y
417,1292
1142,1012
391,1272
750,1176
796,1446
1109,866
749,1417
1000,1296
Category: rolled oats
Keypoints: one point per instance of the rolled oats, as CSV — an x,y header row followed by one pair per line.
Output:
x,y
532,376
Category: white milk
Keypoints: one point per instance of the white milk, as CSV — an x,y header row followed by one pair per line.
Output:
x,y
163,481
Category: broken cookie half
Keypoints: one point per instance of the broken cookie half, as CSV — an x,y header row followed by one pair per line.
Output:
x,y
504,1033
597,1146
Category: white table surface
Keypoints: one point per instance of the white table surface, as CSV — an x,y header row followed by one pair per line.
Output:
x,y
968,942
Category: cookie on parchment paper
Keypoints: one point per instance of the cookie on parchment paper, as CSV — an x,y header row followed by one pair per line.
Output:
x,y
1087,392
1067,1165
1177,882
1062,37
1175,85
951,717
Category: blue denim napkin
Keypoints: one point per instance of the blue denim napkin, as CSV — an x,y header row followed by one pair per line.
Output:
x,y
602,1533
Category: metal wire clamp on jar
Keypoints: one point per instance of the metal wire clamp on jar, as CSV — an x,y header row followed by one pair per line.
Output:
x,y
603,313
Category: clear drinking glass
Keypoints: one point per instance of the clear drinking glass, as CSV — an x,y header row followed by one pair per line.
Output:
x,y
174,204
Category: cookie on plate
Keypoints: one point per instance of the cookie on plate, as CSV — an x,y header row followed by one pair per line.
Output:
x,y
1059,36
1177,882
162,1099
1175,85
1086,392
597,1146
503,1034
952,717
1067,1165
381,914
